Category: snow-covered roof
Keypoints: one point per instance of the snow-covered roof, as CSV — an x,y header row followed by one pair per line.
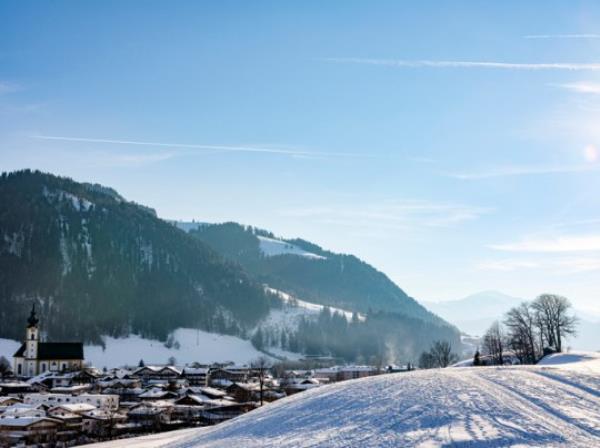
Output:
x,y
155,393
4,400
76,407
24,421
157,369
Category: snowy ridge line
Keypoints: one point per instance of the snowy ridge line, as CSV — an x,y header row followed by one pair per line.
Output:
x,y
315,307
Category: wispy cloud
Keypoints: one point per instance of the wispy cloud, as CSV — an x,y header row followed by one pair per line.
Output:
x,y
564,243
390,215
553,266
525,170
223,148
581,87
470,64
563,36
568,66
8,87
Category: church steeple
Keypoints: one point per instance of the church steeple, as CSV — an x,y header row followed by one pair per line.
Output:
x,y
33,320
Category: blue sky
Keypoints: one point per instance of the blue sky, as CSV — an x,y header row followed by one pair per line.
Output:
x,y
454,145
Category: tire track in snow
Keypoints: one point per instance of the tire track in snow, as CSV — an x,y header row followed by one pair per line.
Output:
x,y
529,404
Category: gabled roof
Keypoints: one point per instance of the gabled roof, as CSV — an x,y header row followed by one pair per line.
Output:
x,y
26,421
157,369
19,353
55,350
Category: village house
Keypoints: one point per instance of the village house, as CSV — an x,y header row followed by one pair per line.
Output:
x,y
100,401
35,357
100,422
30,430
231,374
243,392
196,376
8,401
155,374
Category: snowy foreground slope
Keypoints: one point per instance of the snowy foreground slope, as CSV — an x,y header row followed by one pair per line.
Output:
x,y
485,406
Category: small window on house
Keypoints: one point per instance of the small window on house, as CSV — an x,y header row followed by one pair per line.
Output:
x,y
32,336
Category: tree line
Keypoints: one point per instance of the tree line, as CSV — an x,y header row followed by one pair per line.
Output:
x,y
529,331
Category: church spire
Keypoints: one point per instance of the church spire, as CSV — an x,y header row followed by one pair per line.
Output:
x,y
33,320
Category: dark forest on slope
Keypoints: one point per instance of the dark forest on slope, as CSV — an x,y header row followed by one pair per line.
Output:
x,y
394,321
337,280
97,264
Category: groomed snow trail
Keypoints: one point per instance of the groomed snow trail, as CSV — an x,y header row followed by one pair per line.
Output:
x,y
454,407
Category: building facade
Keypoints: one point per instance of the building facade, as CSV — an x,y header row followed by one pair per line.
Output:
x,y
35,357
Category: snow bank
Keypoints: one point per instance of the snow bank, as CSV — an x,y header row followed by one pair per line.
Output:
x,y
271,247
578,361
151,441
483,406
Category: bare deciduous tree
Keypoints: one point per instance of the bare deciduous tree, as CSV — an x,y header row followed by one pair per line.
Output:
x,y
493,343
522,338
439,355
554,319
261,366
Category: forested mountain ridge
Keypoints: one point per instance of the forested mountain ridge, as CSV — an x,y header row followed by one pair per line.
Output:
x,y
310,272
99,265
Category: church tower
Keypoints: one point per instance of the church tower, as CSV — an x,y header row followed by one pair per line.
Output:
x,y
32,341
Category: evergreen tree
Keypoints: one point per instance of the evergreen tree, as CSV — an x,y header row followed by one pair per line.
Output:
x,y
477,358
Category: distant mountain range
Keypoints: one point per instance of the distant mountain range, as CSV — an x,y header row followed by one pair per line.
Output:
x,y
98,265
474,315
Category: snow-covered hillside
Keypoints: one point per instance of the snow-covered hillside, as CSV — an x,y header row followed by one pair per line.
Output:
x,y
194,345
271,247
191,345
484,406
309,308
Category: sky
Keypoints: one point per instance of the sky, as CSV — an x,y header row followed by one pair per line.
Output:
x,y
453,145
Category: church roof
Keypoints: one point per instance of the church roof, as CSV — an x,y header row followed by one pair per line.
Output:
x,y
55,350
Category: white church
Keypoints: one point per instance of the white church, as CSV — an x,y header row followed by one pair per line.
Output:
x,y
35,357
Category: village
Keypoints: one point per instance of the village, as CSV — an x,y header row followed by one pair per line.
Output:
x,y
51,396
